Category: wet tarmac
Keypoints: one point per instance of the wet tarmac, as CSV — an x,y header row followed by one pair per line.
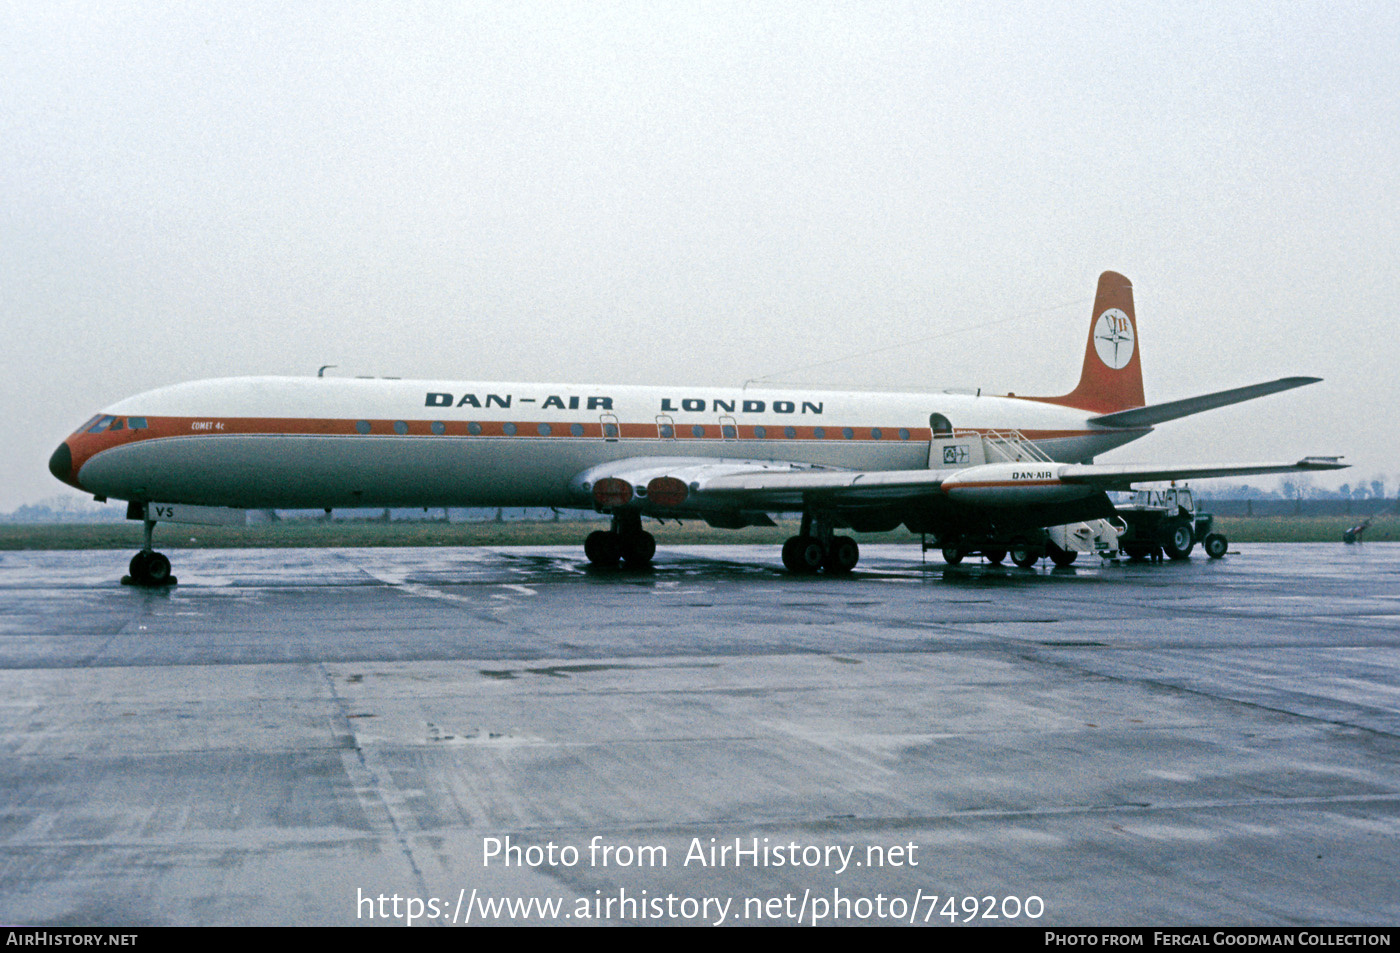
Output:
x,y
300,736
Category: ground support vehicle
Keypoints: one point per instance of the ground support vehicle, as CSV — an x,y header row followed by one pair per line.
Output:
x,y
1166,521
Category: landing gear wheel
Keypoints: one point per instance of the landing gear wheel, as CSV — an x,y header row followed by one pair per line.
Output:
x,y
603,548
1215,545
953,554
803,555
150,569
1178,542
1024,554
157,569
842,557
1063,557
995,556
638,548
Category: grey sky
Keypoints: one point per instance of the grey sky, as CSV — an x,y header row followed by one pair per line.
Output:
x,y
704,193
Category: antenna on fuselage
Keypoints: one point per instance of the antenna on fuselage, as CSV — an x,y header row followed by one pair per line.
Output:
x,y
324,368
768,379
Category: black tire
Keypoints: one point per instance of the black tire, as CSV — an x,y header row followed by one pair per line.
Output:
x,y
1062,557
995,556
157,569
803,555
1178,540
603,548
1024,554
638,548
953,554
150,569
1215,545
842,557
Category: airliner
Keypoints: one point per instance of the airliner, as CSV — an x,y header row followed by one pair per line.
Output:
x,y
865,462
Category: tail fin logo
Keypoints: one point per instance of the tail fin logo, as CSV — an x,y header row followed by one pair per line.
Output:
x,y
1113,339
1110,379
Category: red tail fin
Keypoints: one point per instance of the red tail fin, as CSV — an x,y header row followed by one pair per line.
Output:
x,y
1112,375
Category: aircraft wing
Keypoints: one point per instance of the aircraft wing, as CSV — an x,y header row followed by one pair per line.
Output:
x,y
690,484
1119,476
699,483
991,484
847,485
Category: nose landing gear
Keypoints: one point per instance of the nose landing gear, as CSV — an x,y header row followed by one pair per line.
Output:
x,y
149,569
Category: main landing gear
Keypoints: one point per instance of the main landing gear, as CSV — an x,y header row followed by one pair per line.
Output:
x,y
148,568
815,548
625,542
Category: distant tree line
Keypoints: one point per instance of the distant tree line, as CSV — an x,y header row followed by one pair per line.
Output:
x,y
66,509
76,509
1295,488
1298,488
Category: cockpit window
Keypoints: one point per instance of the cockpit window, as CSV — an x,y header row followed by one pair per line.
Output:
x,y
102,423
136,423
118,424
85,426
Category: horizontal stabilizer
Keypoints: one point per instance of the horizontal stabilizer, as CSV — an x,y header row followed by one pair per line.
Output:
x,y
1159,413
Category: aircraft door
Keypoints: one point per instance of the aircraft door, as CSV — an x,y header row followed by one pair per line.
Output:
x,y
949,450
611,429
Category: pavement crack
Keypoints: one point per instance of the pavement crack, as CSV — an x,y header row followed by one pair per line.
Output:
x,y
372,782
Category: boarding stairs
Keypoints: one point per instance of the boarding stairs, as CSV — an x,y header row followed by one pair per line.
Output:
x,y
970,448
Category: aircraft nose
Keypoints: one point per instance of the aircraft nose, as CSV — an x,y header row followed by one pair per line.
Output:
x,y
61,464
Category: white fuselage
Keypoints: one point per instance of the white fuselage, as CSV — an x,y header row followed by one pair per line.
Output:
x,y
336,442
